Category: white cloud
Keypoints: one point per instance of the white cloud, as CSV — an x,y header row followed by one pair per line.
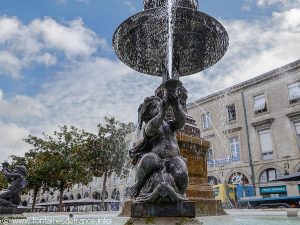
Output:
x,y
19,117
20,108
130,4
41,41
64,2
86,93
11,142
9,64
285,3
9,28
74,39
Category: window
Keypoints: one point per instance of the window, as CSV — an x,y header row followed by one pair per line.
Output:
x,y
129,178
116,180
96,195
297,125
206,120
104,195
266,145
78,196
260,104
231,113
115,194
268,175
212,181
294,93
235,149
210,156
238,178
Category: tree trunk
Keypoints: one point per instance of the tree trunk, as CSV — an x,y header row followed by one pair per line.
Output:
x,y
35,192
61,196
103,190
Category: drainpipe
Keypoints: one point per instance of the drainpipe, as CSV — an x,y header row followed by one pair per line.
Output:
x,y
248,143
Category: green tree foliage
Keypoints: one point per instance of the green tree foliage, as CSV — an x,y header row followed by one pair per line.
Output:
x,y
36,162
61,160
107,153
3,182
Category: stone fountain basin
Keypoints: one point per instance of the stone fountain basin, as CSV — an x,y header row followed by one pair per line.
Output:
x,y
141,41
235,217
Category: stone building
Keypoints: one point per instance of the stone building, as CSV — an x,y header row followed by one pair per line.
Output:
x,y
254,130
88,197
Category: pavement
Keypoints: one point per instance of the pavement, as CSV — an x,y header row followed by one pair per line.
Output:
x,y
262,212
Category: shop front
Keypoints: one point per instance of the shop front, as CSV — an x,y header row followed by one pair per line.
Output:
x,y
273,191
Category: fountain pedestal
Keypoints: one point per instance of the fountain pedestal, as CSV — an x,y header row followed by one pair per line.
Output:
x,y
194,149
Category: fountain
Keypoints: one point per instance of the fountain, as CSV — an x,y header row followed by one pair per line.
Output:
x,y
170,38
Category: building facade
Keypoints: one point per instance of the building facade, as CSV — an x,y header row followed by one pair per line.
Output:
x,y
254,130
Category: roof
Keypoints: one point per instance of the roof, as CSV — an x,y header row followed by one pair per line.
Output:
x,y
256,80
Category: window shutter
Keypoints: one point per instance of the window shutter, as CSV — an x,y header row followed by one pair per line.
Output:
x,y
297,128
266,141
294,91
260,102
272,175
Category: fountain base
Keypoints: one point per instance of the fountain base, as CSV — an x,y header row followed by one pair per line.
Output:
x,y
203,207
11,210
178,209
208,207
164,221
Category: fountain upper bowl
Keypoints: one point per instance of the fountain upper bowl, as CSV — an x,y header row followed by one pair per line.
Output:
x,y
141,41
151,4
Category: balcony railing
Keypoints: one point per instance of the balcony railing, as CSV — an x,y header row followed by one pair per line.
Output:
x,y
222,162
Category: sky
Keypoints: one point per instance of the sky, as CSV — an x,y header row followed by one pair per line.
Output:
x,y
57,65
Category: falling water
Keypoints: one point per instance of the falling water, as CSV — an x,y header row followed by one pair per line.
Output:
x,y
170,38
223,143
215,128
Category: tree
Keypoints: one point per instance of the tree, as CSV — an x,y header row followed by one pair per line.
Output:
x,y
107,153
3,182
56,162
37,167
65,159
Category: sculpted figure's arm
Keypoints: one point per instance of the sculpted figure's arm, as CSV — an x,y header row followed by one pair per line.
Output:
x,y
179,114
155,123
9,175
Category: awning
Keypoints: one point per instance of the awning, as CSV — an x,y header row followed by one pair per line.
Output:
x,y
292,177
86,201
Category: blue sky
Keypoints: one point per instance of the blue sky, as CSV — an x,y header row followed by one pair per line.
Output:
x,y
57,65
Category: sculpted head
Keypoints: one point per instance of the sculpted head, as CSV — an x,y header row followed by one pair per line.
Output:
x,y
21,170
148,110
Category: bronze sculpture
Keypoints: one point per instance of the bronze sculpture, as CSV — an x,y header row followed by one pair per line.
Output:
x,y
11,197
161,173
